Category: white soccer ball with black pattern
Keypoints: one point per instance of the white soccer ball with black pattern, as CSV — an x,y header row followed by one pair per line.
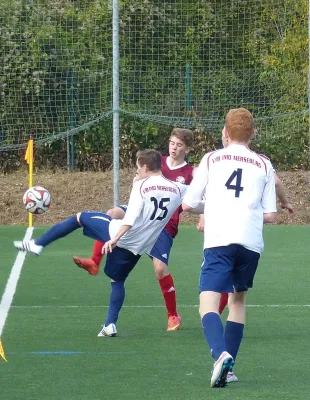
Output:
x,y
37,200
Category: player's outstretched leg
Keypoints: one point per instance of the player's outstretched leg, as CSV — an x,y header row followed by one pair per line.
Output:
x,y
91,265
117,297
56,232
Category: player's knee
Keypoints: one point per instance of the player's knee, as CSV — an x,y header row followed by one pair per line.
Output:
x,y
161,269
110,212
237,300
78,217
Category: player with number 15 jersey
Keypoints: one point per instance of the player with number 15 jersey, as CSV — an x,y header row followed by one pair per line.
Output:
x,y
152,202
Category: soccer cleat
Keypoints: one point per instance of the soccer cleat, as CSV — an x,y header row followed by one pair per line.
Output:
x,y
108,331
231,377
29,246
88,264
174,323
221,368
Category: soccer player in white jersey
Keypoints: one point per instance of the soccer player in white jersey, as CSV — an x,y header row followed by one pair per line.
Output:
x,y
152,202
239,190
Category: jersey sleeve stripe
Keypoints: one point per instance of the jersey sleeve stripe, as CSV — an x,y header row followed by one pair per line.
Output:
x,y
263,162
142,185
208,159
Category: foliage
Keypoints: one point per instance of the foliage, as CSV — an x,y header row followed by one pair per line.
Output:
x,y
56,63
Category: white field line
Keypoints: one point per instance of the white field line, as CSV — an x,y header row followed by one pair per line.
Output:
x,y
11,284
154,306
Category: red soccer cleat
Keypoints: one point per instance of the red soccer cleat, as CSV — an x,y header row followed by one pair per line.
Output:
x,y
88,264
174,323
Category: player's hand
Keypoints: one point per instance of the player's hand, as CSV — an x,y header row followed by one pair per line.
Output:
x,y
108,246
288,207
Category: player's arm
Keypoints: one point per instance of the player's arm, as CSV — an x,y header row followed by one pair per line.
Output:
x,y
269,202
109,245
281,194
135,206
194,210
201,223
192,200
201,220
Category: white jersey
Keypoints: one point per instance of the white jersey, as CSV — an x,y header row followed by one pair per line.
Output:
x,y
239,187
151,204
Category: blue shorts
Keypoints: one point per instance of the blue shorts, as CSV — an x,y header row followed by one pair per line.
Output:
x,y
228,268
121,261
162,247
96,225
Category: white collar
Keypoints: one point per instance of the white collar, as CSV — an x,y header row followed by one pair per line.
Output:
x,y
177,166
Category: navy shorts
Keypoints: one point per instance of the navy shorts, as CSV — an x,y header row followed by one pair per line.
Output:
x,y
96,225
162,247
120,263
228,268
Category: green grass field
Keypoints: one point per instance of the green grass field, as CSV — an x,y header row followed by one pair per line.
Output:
x,y
50,335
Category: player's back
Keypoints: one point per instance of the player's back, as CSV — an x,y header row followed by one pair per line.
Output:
x,y
154,200
236,197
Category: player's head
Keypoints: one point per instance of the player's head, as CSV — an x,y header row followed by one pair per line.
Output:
x,y
148,163
239,126
180,143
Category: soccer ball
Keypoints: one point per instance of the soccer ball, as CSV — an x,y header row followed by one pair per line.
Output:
x,y
37,200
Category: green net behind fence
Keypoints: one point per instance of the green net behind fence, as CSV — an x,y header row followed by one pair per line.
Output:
x,y
182,63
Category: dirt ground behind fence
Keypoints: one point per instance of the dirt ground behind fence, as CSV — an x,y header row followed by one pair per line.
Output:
x,y
73,192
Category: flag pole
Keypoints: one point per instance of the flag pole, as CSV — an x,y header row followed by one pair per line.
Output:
x,y
29,159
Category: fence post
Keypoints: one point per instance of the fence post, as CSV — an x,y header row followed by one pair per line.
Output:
x,y
116,110
189,94
72,116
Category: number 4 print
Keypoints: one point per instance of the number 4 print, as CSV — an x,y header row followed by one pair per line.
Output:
x,y
237,187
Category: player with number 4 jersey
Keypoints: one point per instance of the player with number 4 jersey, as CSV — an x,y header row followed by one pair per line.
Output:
x,y
239,190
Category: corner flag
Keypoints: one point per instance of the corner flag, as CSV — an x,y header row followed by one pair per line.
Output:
x,y
29,159
29,152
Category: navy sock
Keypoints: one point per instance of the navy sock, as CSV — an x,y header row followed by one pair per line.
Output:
x,y
233,337
214,333
117,297
58,231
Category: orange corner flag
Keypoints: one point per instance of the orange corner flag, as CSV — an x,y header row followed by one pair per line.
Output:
x,y
29,152
2,352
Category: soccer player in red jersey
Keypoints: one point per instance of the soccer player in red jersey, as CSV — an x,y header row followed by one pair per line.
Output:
x,y
174,168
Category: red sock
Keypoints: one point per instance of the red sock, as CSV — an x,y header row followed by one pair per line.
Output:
x,y
223,302
97,255
167,287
